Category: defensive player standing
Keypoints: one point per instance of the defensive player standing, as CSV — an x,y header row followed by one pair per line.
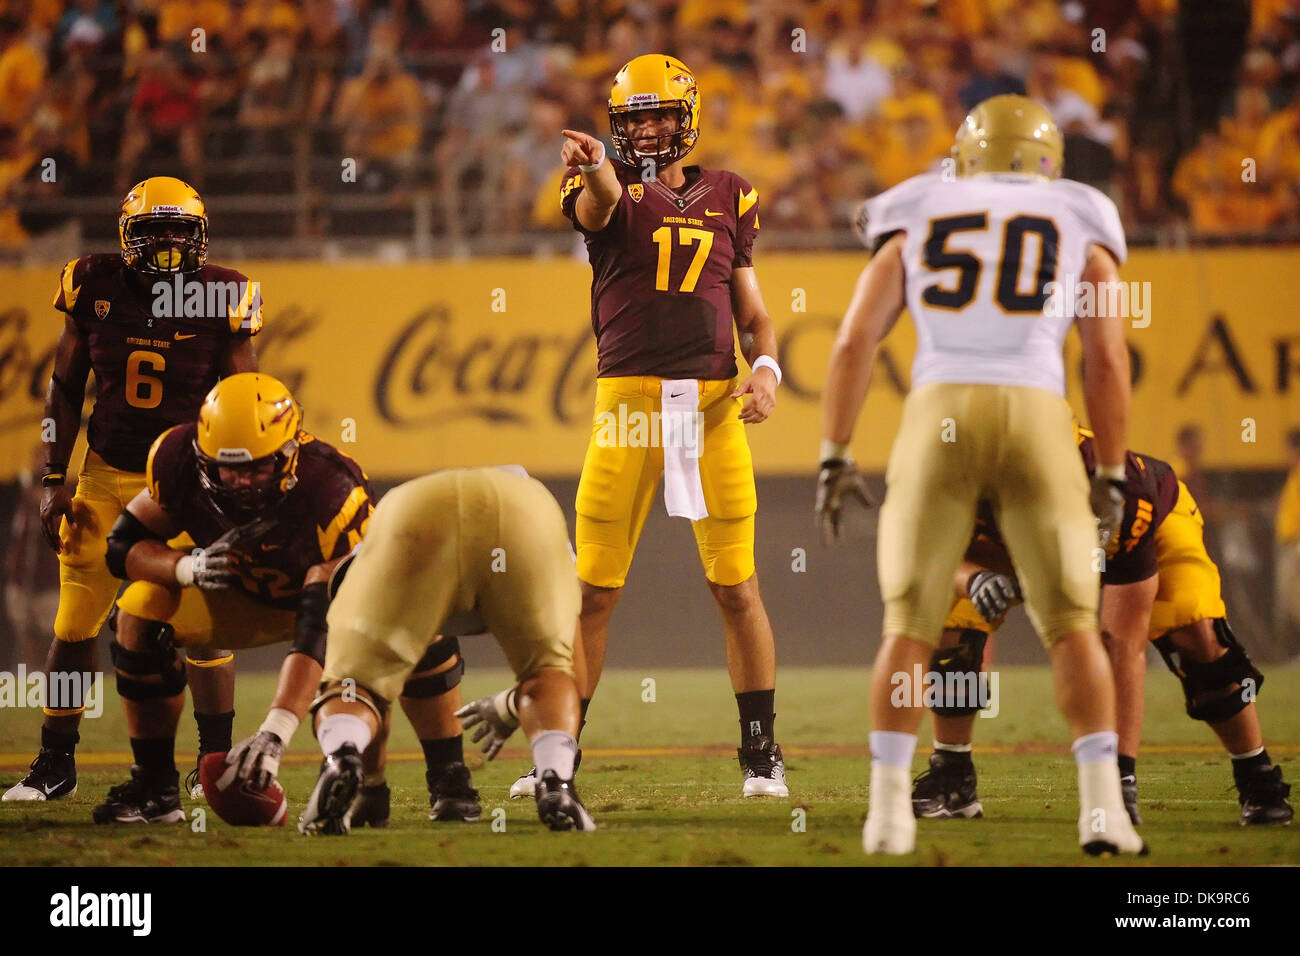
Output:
x,y
152,368
986,419
273,510
671,250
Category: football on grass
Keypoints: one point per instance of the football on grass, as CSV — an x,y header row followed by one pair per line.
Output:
x,y
236,802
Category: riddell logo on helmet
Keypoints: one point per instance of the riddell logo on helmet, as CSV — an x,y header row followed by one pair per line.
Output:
x,y
167,210
234,454
643,99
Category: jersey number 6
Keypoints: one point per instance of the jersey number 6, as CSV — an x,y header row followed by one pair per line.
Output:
x,y
144,391
1007,295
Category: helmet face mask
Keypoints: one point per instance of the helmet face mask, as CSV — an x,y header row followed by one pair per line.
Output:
x,y
165,244
662,85
163,227
630,145
241,491
247,445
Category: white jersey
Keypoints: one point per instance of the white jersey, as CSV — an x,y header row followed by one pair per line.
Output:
x,y
979,256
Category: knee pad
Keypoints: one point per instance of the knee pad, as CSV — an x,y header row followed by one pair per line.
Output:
x,y
964,661
355,693
158,659
435,685
1199,678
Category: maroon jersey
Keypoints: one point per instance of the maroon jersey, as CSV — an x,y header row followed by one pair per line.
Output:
x,y
321,518
1150,493
152,372
661,272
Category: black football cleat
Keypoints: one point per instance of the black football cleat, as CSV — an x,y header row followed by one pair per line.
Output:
x,y
338,790
1128,788
452,795
140,801
1263,797
947,789
763,767
374,807
52,776
559,806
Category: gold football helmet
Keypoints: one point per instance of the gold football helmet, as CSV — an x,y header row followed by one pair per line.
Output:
x,y
1009,134
655,82
248,422
163,227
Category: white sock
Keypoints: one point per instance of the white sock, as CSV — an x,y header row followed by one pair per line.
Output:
x,y
554,750
339,729
1248,754
953,748
892,749
1101,804
1098,747
891,793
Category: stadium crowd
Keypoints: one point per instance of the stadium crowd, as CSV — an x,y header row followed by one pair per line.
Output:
x,y
1187,112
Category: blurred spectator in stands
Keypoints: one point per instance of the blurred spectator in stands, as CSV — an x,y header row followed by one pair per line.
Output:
x,y
164,117
87,22
31,570
16,160
321,65
56,167
445,44
178,19
272,99
988,74
531,157
854,79
481,113
1208,180
1286,590
380,114
264,18
913,134
22,70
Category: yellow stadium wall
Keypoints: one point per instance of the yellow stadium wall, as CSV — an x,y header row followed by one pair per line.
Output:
x,y
423,366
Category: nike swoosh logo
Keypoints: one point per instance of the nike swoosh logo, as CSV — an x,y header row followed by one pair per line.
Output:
x,y
676,394
710,212
50,790
182,338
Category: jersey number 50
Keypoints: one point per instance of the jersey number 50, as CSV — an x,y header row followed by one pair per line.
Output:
x,y
1007,295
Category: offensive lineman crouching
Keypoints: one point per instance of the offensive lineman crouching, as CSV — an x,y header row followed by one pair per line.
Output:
x,y
273,510
479,542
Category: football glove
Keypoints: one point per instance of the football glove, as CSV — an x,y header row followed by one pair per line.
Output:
x,y
494,718
992,593
1107,500
255,760
839,479
216,566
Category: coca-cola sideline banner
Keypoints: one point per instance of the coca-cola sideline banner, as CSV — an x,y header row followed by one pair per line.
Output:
x,y
420,366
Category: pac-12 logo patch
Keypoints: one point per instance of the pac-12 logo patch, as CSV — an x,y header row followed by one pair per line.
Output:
x,y
636,191
102,306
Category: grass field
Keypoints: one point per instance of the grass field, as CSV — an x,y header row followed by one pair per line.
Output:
x,y
662,781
